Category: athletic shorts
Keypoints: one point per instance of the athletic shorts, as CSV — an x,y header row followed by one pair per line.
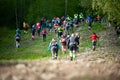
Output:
x,y
64,43
18,40
72,47
94,43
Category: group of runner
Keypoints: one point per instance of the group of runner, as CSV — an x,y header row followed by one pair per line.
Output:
x,y
62,27
70,41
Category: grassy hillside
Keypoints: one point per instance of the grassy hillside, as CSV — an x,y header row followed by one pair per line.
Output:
x,y
38,49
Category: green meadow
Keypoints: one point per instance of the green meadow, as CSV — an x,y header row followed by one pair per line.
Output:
x,y
37,49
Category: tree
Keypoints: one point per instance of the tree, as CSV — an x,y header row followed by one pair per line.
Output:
x,y
85,6
7,12
15,12
109,7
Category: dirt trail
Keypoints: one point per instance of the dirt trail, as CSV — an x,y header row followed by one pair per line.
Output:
x,y
98,65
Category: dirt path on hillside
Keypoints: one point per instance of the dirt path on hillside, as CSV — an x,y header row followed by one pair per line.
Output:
x,y
102,64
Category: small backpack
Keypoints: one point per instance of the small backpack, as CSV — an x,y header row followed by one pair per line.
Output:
x,y
63,41
54,45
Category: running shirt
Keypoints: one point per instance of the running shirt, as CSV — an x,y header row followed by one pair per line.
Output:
x,y
71,40
63,41
94,37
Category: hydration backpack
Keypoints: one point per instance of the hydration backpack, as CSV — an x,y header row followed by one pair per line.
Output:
x,y
54,45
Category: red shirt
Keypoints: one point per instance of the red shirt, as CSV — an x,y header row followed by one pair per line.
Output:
x,y
38,24
94,37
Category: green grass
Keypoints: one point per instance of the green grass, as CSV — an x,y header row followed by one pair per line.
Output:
x,y
85,33
37,49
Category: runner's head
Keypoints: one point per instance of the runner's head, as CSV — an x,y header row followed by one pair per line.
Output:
x,y
77,34
72,34
53,39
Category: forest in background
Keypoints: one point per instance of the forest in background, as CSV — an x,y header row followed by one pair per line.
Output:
x,y
14,12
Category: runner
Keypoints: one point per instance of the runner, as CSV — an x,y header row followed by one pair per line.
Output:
x,y
89,21
60,31
38,27
33,31
77,38
72,47
44,33
94,38
54,47
25,26
63,41
17,38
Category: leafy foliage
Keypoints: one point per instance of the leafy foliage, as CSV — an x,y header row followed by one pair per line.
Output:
x,y
14,12
109,7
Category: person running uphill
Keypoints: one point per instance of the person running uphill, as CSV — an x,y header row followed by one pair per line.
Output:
x,y
17,38
25,26
73,47
54,47
33,31
94,38
60,31
44,33
63,42
77,38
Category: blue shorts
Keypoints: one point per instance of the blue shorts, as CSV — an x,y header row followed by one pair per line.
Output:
x,y
72,47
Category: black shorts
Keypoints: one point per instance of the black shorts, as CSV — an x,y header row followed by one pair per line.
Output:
x,y
64,43
18,40
94,43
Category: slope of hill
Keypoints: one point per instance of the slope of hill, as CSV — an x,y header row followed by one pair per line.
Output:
x,y
102,64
